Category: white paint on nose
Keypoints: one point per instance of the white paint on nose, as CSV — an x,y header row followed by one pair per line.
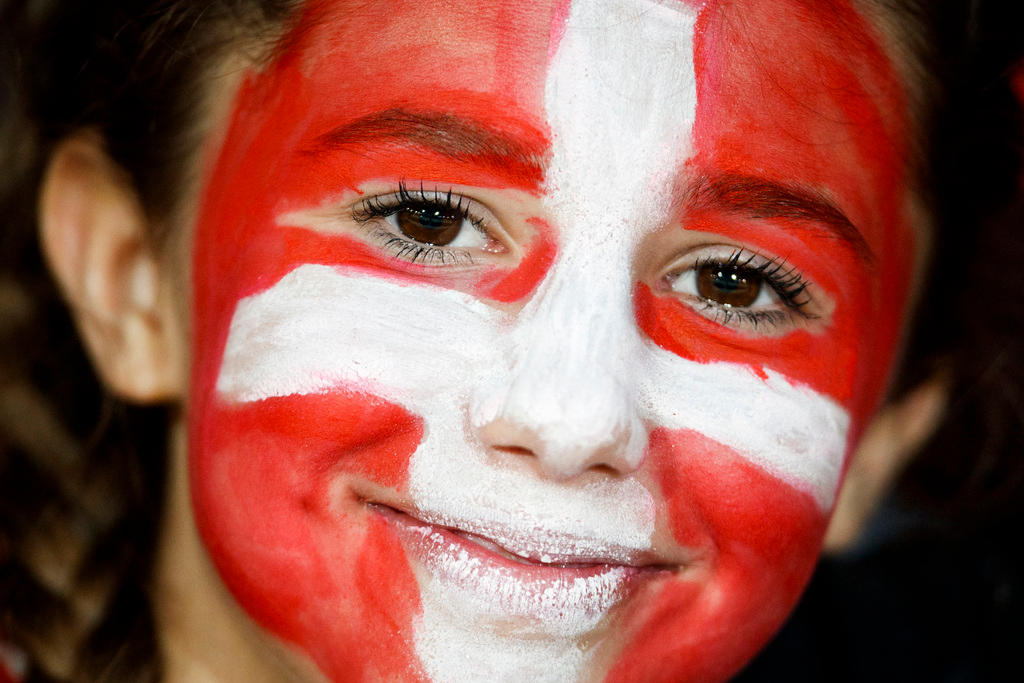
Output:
x,y
621,101
569,397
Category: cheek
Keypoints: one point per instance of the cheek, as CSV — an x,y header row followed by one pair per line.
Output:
x,y
292,542
712,492
762,538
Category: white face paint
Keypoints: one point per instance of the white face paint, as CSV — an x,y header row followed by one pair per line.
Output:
x,y
322,328
620,113
569,377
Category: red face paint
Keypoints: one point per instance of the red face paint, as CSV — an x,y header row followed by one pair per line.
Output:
x,y
272,480
802,95
832,119
280,485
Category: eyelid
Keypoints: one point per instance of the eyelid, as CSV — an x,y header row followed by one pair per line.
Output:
x,y
475,211
774,270
714,251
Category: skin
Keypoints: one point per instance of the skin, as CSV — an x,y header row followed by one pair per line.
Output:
x,y
294,491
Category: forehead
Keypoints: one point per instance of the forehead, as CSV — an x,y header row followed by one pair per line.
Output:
x,y
793,91
435,55
804,92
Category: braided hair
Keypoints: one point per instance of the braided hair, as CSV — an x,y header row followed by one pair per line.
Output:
x,y
81,473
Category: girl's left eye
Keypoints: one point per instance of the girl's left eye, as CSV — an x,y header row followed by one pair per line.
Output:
x,y
743,289
731,286
429,227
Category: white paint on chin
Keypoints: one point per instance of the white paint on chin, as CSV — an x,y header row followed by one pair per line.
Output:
x,y
452,645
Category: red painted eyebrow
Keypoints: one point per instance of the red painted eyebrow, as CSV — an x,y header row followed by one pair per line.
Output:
x,y
758,198
504,145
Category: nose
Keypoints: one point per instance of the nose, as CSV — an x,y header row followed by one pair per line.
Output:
x,y
570,401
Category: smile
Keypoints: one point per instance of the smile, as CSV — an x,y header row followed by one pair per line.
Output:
x,y
529,543
569,586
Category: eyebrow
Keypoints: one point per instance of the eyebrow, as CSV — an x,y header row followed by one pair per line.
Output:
x,y
510,148
764,199
513,149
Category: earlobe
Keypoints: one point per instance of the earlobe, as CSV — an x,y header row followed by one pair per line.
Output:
x,y
889,443
94,235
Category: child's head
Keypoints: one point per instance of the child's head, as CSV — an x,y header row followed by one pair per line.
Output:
x,y
512,340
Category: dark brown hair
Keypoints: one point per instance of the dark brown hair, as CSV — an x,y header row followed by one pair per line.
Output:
x,y
81,474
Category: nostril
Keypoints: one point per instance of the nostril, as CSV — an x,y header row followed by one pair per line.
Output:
x,y
599,467
606,469
514,450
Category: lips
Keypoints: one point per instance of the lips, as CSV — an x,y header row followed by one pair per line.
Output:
x,y
532,543
558,590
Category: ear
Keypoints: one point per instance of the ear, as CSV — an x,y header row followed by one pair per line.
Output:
x,y
94,235
888,445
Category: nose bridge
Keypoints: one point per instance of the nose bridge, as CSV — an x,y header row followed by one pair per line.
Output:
x,y
573,338
620,113
570,399
568,339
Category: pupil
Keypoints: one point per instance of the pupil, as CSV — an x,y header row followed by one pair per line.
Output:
x,y
728,286
729,282
433,220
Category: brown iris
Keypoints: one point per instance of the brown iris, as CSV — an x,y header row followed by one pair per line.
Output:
x,y
430,224
728,285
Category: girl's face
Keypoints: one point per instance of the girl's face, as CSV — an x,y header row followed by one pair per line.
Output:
x,y
530,339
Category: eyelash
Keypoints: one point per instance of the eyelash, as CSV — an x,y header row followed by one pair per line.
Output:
x,y
377,208
786,281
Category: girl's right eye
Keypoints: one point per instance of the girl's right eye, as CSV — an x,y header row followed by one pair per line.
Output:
x,y
437,225
429,227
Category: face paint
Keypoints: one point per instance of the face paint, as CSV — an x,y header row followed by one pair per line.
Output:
x,y
535,457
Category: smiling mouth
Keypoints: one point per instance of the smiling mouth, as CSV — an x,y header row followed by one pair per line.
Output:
x,y
528,544
570,585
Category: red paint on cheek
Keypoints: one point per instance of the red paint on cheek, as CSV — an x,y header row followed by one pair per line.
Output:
x,y
290,248
755,541
271,489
